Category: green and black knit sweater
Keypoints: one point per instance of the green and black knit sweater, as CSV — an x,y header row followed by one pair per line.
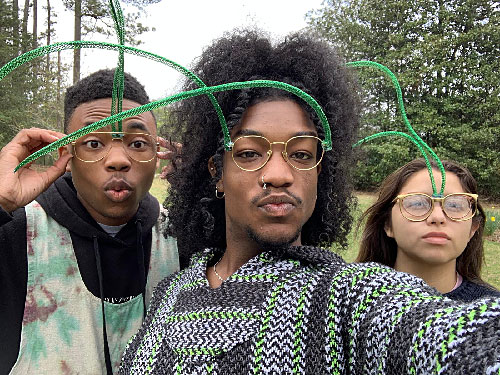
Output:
x,y
308,312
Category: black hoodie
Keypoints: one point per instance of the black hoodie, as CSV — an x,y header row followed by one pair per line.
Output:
x,y
119,256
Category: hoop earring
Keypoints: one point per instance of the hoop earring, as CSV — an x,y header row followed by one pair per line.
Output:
x,y
264,185
217,194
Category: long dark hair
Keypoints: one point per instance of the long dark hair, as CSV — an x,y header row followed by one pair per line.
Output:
x,y
196,218
376,246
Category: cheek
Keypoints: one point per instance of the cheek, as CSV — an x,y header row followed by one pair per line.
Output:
x,y
398,226
81,174
310,184
465,232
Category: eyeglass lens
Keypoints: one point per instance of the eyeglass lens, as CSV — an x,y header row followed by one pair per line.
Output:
x,y
95,146
455,206
253,152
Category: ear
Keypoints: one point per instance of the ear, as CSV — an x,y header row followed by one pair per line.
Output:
x,y
388,229
211,167
63,151
473,228
212,170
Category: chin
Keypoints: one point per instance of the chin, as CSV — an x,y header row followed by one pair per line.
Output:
x,y
273,242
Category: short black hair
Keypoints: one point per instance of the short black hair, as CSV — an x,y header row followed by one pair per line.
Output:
x,y
99,85
196,218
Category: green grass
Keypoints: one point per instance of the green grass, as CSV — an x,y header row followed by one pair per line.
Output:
x,y
159,189
491,270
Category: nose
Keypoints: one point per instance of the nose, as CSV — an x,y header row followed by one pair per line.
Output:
x,y
117,159
277,172
437,215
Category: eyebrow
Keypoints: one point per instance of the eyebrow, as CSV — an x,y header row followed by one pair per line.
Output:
x,y
137,125
129,126
243,132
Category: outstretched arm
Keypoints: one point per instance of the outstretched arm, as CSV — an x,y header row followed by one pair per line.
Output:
x,y
396,324
20,188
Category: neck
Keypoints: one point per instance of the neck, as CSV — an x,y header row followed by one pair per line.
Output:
x,y
236,256
238,252
443,277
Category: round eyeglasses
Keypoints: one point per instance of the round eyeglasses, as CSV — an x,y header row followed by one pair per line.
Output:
x,y
90,148
302,152
419,206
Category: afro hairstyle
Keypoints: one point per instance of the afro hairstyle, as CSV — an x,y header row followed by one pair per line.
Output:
x,y
196,217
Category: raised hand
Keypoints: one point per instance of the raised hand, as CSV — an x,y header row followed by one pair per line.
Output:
x,y
20,188
173,152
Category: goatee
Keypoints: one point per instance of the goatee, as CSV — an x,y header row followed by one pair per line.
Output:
x,y
276,246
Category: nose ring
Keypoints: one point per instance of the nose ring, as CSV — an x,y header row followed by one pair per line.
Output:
x,y
264,187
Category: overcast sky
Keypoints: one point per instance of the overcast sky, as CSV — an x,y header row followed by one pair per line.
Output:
x,y
183,28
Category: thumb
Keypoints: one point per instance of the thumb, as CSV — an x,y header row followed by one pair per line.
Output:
x,y
59,167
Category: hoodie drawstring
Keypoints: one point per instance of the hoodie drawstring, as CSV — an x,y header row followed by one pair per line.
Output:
x,y
142,270
107,357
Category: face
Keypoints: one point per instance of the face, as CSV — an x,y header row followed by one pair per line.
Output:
x,y
436,240
274,215
111,189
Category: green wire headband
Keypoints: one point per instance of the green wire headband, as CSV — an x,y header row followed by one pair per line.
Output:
x,y
413,136
117,115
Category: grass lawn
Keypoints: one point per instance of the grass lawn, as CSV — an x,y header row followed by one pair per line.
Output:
x,y
491,270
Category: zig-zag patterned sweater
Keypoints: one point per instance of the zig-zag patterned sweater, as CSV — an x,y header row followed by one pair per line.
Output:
x,y
308,312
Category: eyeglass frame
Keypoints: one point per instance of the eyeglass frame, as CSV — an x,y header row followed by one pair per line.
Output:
x,y
433,199
284,154
115,136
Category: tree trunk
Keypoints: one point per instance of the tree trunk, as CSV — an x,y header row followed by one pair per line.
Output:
x,y
35,24
49,31
58,94
26,11
77,36
15,17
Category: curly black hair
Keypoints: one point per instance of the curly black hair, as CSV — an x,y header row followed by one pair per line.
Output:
x,y
196,218
99,85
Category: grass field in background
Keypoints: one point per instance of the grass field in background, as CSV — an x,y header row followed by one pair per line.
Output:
x,y
491,270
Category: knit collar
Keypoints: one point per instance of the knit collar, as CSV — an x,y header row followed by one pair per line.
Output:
x,y
307,255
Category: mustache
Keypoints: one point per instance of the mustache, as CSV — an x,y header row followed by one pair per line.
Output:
x,y
266,193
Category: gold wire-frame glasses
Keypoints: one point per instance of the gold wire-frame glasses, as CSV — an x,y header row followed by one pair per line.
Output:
x,y
103,142
419,206
302,152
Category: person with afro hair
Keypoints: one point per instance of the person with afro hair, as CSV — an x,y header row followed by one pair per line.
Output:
x,y
263,292
81,252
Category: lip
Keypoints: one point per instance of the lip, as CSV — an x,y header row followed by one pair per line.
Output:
x,y
118,190
436,237
277,205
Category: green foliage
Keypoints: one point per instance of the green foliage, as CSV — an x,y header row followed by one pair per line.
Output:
x,y
30,96
96,19
492,223
445,55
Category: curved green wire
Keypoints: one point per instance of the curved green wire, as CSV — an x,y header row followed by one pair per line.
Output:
x,y
61,46
178,97
119,76
407,136
414,136
42,51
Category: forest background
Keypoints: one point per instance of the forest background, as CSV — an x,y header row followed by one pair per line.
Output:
x,y
445,53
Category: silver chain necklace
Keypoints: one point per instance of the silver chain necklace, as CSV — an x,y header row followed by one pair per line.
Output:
x,y
215,271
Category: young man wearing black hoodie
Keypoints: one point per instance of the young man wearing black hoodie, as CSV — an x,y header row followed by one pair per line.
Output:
x,y
81,252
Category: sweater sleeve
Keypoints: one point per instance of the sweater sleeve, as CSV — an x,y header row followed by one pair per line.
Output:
x,y
393,323
13,281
